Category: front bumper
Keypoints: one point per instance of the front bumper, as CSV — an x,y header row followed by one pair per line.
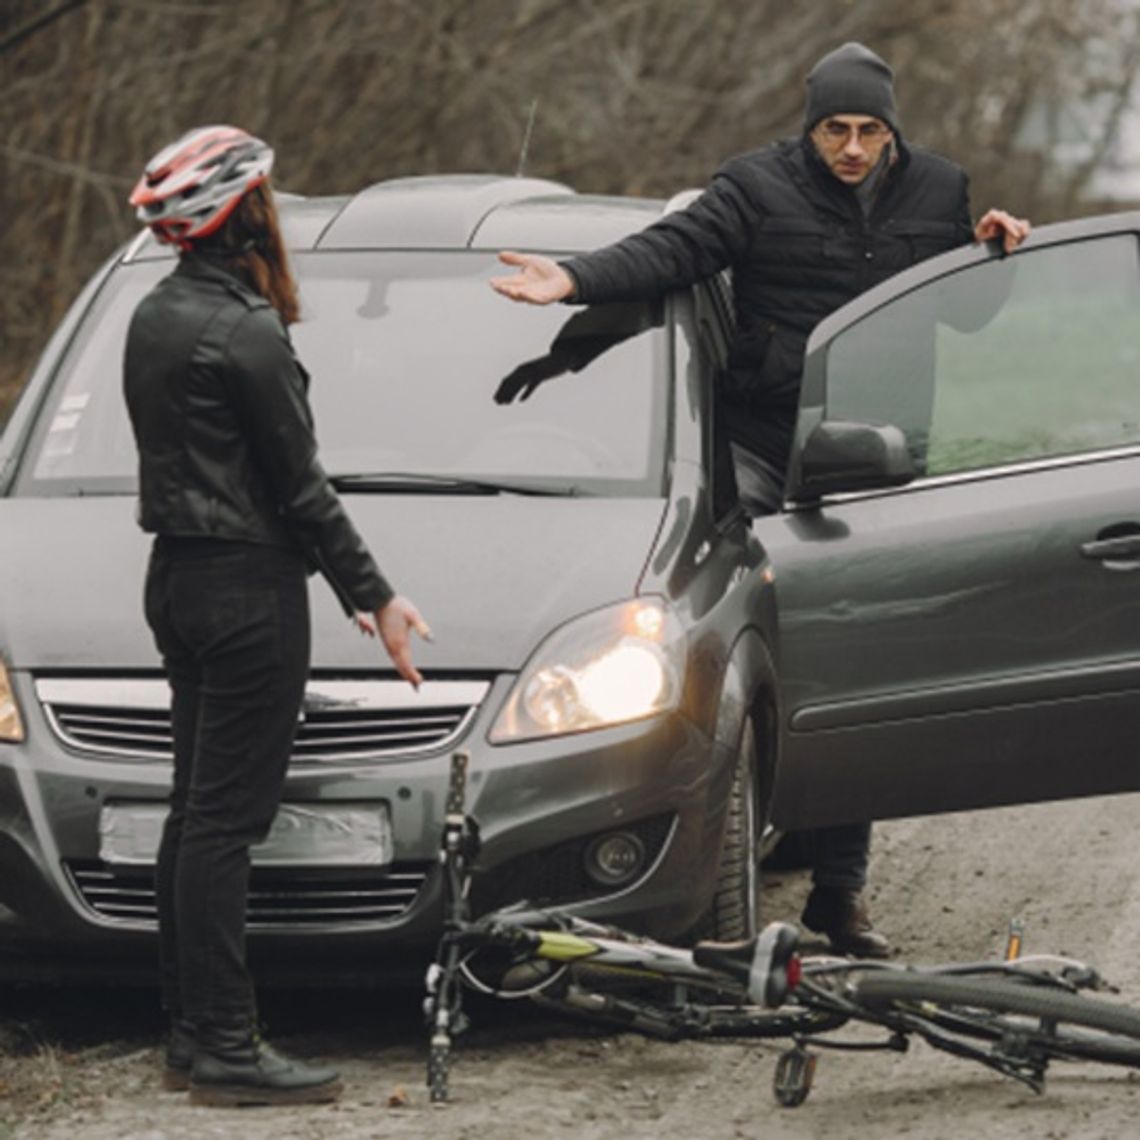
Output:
x,y
537,805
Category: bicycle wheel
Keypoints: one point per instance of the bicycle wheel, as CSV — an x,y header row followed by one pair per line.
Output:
x,y
1070,1025
755,1021
690,1020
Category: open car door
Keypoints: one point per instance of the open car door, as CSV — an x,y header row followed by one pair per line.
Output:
x,y
958,563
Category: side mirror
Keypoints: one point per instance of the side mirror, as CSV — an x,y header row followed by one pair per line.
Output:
x,y
839,456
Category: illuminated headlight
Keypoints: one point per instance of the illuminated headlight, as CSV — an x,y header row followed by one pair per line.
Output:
x,y
615,665
11,727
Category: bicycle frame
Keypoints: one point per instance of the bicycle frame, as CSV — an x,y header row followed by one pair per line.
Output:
x,y
743,989
566,940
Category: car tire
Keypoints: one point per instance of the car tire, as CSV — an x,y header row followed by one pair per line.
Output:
x,y
734,910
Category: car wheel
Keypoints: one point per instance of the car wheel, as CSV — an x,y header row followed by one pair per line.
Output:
x,y
734,910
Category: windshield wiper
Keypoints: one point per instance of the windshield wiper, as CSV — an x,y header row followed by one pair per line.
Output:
x,y
410,483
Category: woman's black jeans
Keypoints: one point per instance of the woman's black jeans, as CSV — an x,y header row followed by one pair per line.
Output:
x,y
231,620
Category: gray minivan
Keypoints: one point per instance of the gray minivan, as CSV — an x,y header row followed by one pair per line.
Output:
x,y
944,615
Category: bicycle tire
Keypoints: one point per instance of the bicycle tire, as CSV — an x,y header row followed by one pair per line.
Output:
x,y
1115,1036
716,1007
695,1021
755,1021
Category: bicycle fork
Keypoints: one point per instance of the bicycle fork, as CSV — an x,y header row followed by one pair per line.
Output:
x,y
443,1004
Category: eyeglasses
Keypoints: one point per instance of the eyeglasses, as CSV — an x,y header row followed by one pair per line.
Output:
x,y
834,133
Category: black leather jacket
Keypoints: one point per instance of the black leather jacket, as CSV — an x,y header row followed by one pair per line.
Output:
x,y
219,406
799,246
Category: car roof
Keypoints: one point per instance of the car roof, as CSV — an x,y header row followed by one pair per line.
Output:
x,y
455,211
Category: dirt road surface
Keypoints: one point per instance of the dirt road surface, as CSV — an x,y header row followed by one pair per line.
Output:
x,y
83,1064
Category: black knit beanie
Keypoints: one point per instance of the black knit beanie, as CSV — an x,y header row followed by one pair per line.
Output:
x,y
852,80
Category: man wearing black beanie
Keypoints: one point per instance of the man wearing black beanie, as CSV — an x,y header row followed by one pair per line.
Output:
x,y
851,80
805,224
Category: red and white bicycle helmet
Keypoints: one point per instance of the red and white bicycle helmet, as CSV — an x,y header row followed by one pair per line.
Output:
x,y
190,187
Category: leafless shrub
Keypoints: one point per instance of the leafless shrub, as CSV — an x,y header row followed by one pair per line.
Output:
x,y
628,96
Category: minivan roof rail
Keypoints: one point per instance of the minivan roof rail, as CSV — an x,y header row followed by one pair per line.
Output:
x,y
428,212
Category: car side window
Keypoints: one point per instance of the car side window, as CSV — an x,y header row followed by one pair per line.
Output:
x,y
1012,360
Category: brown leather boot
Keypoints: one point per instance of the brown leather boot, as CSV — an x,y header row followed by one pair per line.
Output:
x,y
841,915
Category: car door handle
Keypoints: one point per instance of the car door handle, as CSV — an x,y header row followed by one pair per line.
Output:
x,y
1106,549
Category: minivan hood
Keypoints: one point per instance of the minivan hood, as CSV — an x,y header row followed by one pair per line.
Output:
x,y
492,576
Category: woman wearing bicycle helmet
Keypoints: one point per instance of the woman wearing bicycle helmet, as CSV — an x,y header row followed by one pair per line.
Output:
x,y
230,485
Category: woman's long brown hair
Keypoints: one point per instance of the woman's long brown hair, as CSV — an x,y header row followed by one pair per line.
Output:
x,y
251,241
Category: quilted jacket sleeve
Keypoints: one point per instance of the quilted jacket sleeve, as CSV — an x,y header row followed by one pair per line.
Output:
x,y
689,245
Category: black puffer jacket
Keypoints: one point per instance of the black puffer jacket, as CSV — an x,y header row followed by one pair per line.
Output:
x,y
799,246
219,407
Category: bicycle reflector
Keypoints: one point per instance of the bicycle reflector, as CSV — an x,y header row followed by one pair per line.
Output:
x,y
775,967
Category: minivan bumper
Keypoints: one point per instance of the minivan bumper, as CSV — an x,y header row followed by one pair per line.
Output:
x,y
661,785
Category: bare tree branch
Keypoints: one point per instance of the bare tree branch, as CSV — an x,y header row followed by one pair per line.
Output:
x,y
68,169
634,96
26,31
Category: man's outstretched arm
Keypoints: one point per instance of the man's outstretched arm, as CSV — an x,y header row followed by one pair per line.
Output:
x,y
685,246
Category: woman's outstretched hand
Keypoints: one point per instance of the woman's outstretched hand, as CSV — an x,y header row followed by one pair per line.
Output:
x,y
394,623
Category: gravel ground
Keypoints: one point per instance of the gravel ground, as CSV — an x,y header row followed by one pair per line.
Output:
x,y
84,1062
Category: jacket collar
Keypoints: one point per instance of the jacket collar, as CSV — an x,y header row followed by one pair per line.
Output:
x,y
203,266
814,177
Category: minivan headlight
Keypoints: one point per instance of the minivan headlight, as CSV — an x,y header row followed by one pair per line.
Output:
x,y
618,664
11,727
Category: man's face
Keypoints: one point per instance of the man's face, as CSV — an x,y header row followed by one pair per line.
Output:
x,y
850,145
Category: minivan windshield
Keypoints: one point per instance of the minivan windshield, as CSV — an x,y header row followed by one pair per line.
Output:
x,y
417,369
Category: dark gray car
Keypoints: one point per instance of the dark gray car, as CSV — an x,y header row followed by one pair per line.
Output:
x,y
959,623
547,485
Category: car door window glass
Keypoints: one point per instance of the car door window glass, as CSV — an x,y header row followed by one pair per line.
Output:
x,y
1012,360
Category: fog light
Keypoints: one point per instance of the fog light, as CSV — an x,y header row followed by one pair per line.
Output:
x,y
614,859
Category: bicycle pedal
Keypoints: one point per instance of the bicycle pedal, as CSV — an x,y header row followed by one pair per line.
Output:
x,y
795,1071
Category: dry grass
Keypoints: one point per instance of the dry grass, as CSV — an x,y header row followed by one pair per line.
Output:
x,y
37,1080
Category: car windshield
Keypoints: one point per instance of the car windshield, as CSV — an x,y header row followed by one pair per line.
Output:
x,y
417,370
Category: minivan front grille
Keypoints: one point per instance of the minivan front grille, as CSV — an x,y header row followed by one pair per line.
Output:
x,y
278,899
340,720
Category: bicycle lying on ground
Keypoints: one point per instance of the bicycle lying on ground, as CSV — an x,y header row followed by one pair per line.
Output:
x,y
1014,1015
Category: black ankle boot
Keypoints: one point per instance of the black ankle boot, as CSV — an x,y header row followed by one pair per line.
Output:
x,y
179,1057
233,1066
